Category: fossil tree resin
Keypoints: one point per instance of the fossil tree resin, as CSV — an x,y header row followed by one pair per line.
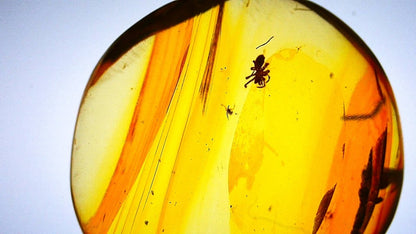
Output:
x,y
237,116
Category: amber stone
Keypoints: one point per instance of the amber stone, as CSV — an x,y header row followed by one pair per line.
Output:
x,y
237,116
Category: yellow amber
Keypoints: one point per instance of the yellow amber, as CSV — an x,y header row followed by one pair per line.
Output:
x,y
169,139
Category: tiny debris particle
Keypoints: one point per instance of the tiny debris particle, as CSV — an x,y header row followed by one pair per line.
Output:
x,y
153,193
146,222
270,208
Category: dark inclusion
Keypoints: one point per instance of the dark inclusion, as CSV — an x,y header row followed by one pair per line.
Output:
x,y
371,183
206,81
323,208
374,177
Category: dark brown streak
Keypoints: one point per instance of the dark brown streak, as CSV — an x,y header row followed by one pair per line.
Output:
x,y
343,106
378,166
365,116
374,112
343,150
165,17
371,183
206,80
363,194
380,155
265,42
322,209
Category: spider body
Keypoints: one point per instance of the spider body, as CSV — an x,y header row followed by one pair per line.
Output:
x,y
259,72
229,111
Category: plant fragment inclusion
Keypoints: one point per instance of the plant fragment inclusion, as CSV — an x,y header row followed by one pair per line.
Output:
x,y
168,139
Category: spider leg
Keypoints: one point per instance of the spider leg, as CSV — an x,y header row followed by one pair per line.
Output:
x,y
265,65
261,84
252,74
267,80
245,86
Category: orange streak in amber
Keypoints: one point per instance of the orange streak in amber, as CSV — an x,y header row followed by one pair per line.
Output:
x,y
358,134
163,72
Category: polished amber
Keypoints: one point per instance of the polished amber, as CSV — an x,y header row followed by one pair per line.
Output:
x,y
168,139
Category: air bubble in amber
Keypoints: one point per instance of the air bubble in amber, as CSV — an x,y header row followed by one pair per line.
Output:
x,y
185,128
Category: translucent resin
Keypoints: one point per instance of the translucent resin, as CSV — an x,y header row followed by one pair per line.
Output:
x,y
237,116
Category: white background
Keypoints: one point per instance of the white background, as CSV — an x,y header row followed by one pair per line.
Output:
x,y
48,50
